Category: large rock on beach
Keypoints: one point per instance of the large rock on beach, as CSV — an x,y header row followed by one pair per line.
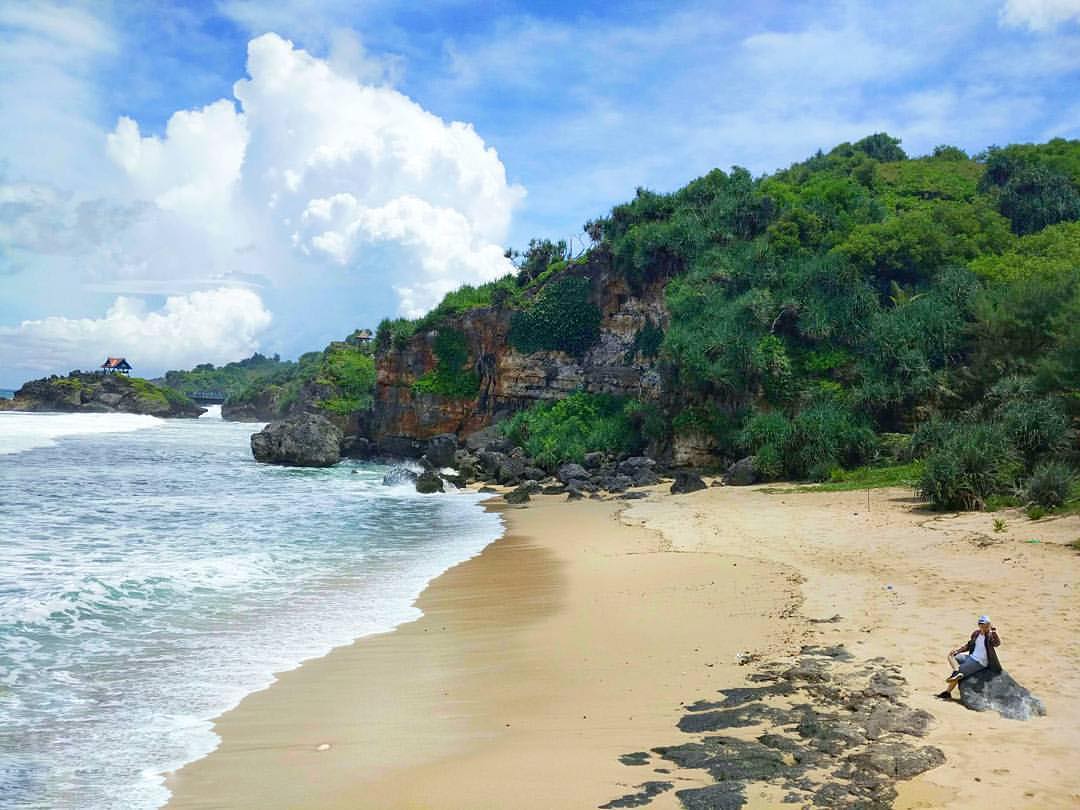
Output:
x,y
308,440
396,476
742,473
572,472
429,482
686,482
441,449
987,690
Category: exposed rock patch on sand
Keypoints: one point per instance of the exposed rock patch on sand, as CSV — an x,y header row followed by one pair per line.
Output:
x,y
826,729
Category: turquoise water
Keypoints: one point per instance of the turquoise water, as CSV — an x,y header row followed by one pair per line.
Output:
x,y
151,575
6,393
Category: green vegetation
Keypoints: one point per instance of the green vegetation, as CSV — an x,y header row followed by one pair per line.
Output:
x,y
339,379
351,371
230,379
868,477
558,432
560,318
149,392
453,375
820,315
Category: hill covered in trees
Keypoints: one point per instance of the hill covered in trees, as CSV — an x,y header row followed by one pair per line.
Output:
x,y
858,308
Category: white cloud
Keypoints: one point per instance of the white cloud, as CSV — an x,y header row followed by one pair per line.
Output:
x,y
1040,15
207,326
316,169
194,169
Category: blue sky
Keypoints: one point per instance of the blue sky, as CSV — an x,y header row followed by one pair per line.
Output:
x,y
151,206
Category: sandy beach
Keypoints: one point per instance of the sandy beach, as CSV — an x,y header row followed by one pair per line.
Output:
x,y
583,633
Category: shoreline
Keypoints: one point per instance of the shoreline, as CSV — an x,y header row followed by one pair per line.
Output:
x,y
578,636
563,647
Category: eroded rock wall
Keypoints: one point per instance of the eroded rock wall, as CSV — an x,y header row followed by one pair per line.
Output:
x,y
510,380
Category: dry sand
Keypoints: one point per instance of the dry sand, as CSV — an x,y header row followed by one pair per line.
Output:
x,y
576,637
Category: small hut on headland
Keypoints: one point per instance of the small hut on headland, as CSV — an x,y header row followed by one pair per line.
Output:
x,y
116,365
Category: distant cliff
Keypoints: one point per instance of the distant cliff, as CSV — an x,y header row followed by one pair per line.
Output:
x,y
100,393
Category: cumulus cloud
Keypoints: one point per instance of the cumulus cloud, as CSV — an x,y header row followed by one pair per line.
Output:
x,y
312,168
207,326
1040,15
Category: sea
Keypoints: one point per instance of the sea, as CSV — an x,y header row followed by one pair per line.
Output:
x,y
152,575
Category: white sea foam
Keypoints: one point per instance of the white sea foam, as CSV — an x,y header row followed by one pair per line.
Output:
x,y
21,431
149,584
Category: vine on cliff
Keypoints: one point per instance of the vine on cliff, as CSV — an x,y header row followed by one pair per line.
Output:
x,y
561,318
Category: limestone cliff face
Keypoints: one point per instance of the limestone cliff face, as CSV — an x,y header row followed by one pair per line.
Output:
x,y
510,380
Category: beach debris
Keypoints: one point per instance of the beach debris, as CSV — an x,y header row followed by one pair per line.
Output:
x,y
987,690
636,758
322,747
745,657
836,617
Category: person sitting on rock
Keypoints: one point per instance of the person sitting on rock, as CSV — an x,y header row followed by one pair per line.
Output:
x,y
977,654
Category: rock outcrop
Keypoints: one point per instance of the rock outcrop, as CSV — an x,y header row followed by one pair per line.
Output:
x,y
987,690
88,392
308,440
742,473
510,380
686,482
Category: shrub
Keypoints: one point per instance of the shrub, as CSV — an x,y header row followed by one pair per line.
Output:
x,y
810,445
561,318
352,370
1050,484
1036,428
972,464
563,431
452,376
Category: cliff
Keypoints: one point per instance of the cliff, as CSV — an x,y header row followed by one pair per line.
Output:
x,y
508,379
99,393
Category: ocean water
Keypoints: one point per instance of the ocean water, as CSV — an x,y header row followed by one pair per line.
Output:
x,y
151,575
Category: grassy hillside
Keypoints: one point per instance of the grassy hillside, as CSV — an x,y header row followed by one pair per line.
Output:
x,y
855,294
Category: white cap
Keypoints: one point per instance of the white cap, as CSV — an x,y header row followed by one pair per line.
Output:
x,y
984,620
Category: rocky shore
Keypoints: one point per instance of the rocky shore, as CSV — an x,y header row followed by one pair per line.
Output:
x,y
88,392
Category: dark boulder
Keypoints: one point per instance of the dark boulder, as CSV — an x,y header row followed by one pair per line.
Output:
x,y
534,473
400,447
617,483
532,487
570,472
742,473
428,482
510,471
633,465
988,690
517,496
440,450
593,460
645,477
307,440
686,482
358,447
553,489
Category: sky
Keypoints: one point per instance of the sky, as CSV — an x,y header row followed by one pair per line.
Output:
x,y
192,182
